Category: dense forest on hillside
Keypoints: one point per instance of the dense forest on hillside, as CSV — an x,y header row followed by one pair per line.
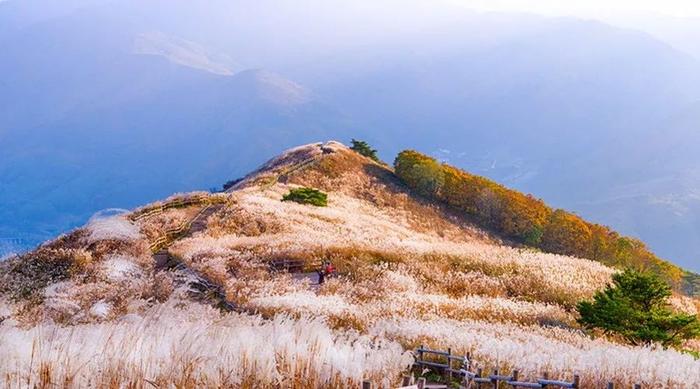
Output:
x,y
528,220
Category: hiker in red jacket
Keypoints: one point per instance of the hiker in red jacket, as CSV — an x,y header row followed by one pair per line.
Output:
x,y
326,270
329,269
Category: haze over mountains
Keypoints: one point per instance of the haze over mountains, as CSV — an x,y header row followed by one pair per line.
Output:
x,y
166,96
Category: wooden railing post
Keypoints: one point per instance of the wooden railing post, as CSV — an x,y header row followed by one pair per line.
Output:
x,y
420,353
448,372
577,381
466,365
478,380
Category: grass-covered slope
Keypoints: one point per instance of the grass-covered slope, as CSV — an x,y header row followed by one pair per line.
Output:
x,y
530,221
412,271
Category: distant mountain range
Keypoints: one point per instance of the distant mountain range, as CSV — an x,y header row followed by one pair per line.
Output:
x,y
172,96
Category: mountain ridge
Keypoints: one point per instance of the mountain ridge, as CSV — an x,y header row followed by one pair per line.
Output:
x,y
539,95
409,271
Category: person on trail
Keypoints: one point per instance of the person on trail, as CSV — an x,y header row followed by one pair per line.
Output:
x,y
321,275
326,270
329,269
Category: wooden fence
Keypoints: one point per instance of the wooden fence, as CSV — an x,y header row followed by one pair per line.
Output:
x,y
284,174
455,368
169,236
172,234
147,212
288,265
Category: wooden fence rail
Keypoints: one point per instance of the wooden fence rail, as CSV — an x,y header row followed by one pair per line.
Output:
x,y
284,174
177,203
444,362
173,233
287,265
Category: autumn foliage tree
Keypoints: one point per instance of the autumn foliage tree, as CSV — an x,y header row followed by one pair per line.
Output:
x,y
567,234
420,172
523,217
529,220
514,214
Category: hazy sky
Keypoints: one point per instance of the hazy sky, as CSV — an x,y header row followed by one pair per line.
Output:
x,y
682,8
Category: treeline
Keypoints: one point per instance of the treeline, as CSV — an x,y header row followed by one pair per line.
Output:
x,y
530,221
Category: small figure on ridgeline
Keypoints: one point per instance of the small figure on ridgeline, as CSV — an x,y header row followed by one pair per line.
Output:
x,y
327,269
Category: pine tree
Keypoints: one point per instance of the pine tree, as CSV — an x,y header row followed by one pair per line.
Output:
x,y
636,308
363,148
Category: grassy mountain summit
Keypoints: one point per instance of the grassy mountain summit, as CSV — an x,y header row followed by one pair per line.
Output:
x,y
198,284
504,95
